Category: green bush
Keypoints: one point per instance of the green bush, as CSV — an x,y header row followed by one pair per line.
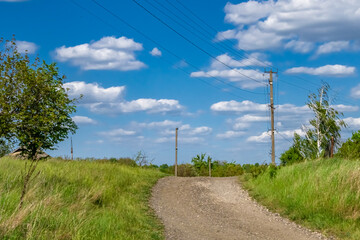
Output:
x,y
291,156
351,148
184,170
225,169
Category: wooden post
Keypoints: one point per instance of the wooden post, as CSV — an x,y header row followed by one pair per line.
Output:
x,y
176,150
209,160
332,147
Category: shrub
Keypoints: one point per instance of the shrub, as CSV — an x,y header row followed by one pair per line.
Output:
x,y
184,170
291,156
351,148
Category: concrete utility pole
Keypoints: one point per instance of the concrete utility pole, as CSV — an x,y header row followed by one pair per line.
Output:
x,y
272,108
176,150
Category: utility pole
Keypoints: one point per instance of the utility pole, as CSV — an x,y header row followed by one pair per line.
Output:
x,y
176,150
72,152
272,108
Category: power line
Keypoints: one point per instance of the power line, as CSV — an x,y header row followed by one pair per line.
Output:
x,y
192,43
215,30
162,47
200,29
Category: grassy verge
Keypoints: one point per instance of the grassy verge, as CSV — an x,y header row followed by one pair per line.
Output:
x,y
322,195
78,200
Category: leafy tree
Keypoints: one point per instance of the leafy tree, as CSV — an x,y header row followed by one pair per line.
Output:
x,y
34,107
351,148
327,122
323,127
200,164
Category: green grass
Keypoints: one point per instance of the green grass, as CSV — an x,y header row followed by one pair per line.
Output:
x,y
322,195
78,200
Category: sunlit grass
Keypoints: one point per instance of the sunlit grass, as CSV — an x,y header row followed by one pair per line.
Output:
x,y
322,194
78,200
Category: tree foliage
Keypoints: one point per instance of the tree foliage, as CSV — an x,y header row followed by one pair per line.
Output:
x,y
5,147
34,107
326,124
351,148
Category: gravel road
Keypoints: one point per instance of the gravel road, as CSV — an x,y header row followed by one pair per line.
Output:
x,y
217,208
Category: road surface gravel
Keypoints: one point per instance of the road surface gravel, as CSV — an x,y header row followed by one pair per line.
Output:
x,y
202,208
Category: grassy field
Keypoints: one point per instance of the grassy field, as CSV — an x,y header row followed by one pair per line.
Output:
x,y
322,194
78,200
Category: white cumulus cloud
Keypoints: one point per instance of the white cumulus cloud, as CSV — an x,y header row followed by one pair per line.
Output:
x,y
119,132
230,134
111,100
156,52
352,122
93,93
26,47
327,70
355,92
246,78
266,136
260,25
162,124
334,46
83,120
300,46
109,53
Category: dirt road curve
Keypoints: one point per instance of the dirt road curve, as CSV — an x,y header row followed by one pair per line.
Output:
x,y
217,208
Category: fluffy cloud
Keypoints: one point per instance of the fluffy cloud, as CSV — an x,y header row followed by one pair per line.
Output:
x,y
187,130
300,46
140,105
253,59
235,75
26,47
266,136
83,120
162,124
247,78
352,122
327,70
272,24
155,52
238,107
110,100
118,133
109,53
246,120
249,106
335,46
247,13
355,92
93,93
230,134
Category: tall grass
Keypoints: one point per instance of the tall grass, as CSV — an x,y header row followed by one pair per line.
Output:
x,y
322,194
78,200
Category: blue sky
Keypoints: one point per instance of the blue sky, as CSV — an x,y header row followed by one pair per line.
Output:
x,y
205,75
